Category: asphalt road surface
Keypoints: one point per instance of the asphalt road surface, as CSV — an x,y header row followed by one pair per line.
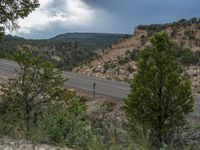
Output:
x,y
103,87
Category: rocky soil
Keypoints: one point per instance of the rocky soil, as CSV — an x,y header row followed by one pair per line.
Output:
x,y
8,144
111,63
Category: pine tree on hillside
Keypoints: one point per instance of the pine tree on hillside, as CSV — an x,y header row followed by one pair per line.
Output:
x,y
160,95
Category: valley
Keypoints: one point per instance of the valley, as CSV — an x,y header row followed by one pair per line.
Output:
x,y
99,72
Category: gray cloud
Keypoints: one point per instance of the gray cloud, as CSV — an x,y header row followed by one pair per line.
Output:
x,y
127,14
120,16
56,5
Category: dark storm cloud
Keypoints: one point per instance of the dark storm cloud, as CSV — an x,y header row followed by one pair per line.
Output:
x,y
148,11
118,16
145,6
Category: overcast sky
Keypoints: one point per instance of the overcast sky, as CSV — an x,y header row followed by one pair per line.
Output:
x,y
55,17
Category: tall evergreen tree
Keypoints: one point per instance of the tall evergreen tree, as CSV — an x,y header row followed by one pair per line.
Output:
x,y
160,95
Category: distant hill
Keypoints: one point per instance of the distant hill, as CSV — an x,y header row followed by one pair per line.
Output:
x,y
66,50
92,40
120,61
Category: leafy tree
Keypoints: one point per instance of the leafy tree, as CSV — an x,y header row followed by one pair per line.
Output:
x,y
35,105
25,95
11,10
160,95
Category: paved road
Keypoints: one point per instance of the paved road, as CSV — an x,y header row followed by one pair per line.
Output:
x,y
103,87
113,89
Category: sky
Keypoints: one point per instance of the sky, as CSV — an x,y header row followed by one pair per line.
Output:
x,y
55,17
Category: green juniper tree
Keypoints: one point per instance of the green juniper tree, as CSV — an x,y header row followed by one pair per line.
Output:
x,y
160,95
25,95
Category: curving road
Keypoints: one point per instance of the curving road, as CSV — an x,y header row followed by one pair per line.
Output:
x,y
103,87
108,88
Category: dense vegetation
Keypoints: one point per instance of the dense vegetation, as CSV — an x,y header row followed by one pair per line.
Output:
x,y
68,53
91,40
62,54
35,106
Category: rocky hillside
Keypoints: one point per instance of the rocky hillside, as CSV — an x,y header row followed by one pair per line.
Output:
x,y
120,61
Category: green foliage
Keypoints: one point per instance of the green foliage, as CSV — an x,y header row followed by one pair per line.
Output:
x,y
130,69
129,56
190,34
106,66
160,95
186,56
106,125
141,144
62,54
133,55
65,122
92,40
25,96
11,10
67,51
36,107
194,20
122,60
1,32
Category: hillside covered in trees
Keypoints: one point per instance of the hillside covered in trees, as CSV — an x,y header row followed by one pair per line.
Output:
x,y
92,40
67,50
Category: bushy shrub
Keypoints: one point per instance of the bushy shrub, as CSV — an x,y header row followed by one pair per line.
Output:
x,y
186,56
66,122
190,34
130,69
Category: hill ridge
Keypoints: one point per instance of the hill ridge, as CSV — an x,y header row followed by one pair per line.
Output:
x,y
119,62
